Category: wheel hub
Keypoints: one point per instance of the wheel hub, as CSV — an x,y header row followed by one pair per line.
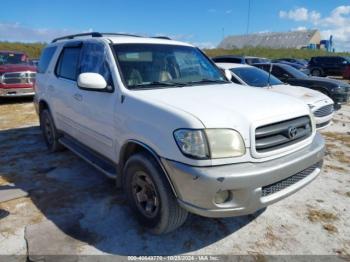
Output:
x,y
145,195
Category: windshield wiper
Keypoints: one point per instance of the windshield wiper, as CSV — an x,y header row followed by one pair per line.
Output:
x,y
156,84
208,81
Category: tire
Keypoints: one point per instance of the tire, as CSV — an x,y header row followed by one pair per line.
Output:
x,y
49,131
316,72
150,195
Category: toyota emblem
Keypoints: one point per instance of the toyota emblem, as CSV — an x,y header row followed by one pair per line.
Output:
x,y
292,132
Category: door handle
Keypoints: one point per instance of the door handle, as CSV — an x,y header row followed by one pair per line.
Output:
x,y
78,97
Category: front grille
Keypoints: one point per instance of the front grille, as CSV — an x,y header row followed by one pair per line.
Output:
x,y
282,184
324,111
282,134
18,78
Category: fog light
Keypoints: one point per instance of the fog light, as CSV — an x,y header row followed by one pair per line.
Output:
x,y
222,196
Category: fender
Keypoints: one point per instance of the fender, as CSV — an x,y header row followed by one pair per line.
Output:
x,y
148,149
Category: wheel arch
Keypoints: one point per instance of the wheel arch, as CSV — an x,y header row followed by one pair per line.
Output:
x,y
43,105
131,147
317,68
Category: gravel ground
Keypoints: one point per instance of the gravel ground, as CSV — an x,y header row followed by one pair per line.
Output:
x,y
73,209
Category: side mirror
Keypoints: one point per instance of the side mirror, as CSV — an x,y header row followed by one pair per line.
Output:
x,y
228,74
92,81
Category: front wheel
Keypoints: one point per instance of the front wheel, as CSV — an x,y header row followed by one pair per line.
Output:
x,y
49,131
150,196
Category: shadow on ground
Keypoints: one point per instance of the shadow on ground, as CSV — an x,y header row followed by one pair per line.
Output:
x,y
15,100
86,206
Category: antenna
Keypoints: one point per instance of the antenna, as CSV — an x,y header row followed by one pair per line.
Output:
x,y
269,79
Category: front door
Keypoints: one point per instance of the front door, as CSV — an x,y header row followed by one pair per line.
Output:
x,y
96,108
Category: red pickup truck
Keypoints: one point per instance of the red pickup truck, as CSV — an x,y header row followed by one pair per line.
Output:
x,y
17,76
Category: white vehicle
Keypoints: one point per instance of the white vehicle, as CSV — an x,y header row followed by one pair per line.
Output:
x,y
321,105
159,117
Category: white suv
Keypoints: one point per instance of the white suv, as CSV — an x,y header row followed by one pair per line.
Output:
x,y
159,117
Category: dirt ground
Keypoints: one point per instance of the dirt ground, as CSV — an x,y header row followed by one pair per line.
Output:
x,y
73,209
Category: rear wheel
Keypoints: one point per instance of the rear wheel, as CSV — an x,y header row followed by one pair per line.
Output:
x,y
316,72
150,196
49,131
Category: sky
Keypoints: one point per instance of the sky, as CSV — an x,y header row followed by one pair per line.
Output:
x,y
200,22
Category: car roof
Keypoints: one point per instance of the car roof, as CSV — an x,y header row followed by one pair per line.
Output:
x,y
232,65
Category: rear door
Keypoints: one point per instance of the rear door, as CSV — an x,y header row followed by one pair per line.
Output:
x,y
331,65
63,87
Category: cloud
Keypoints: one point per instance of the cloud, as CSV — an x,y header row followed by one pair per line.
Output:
x,y
297,14
299,28
18,32
335,24
216,11
204,45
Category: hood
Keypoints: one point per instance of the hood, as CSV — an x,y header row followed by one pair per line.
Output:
x,y
16,68
307,95
228,105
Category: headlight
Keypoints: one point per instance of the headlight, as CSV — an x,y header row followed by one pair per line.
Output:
x,y
210,143
225,143
313,121
192,143
341,89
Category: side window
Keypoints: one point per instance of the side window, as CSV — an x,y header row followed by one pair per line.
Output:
x,y
68,62
45,58
235,80
94,60
330,60
278,72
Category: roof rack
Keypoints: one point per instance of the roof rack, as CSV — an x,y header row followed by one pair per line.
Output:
x,y
92,34
162,37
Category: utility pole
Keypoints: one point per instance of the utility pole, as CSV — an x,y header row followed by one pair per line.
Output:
x,y
248,18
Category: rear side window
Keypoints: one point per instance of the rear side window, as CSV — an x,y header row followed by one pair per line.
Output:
x,y
45,58
68,62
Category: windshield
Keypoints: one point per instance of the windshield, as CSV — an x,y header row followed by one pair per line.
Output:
x,y
12,58
156,65
255,77
295,72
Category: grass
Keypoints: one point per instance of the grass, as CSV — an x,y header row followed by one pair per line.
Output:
x,y
33,50
315,215
271,53
330,228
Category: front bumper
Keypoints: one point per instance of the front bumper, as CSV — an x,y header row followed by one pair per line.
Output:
x,y
16,92
341,97
196,187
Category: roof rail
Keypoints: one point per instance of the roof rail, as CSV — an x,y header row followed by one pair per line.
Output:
x,y
162,37
92,34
